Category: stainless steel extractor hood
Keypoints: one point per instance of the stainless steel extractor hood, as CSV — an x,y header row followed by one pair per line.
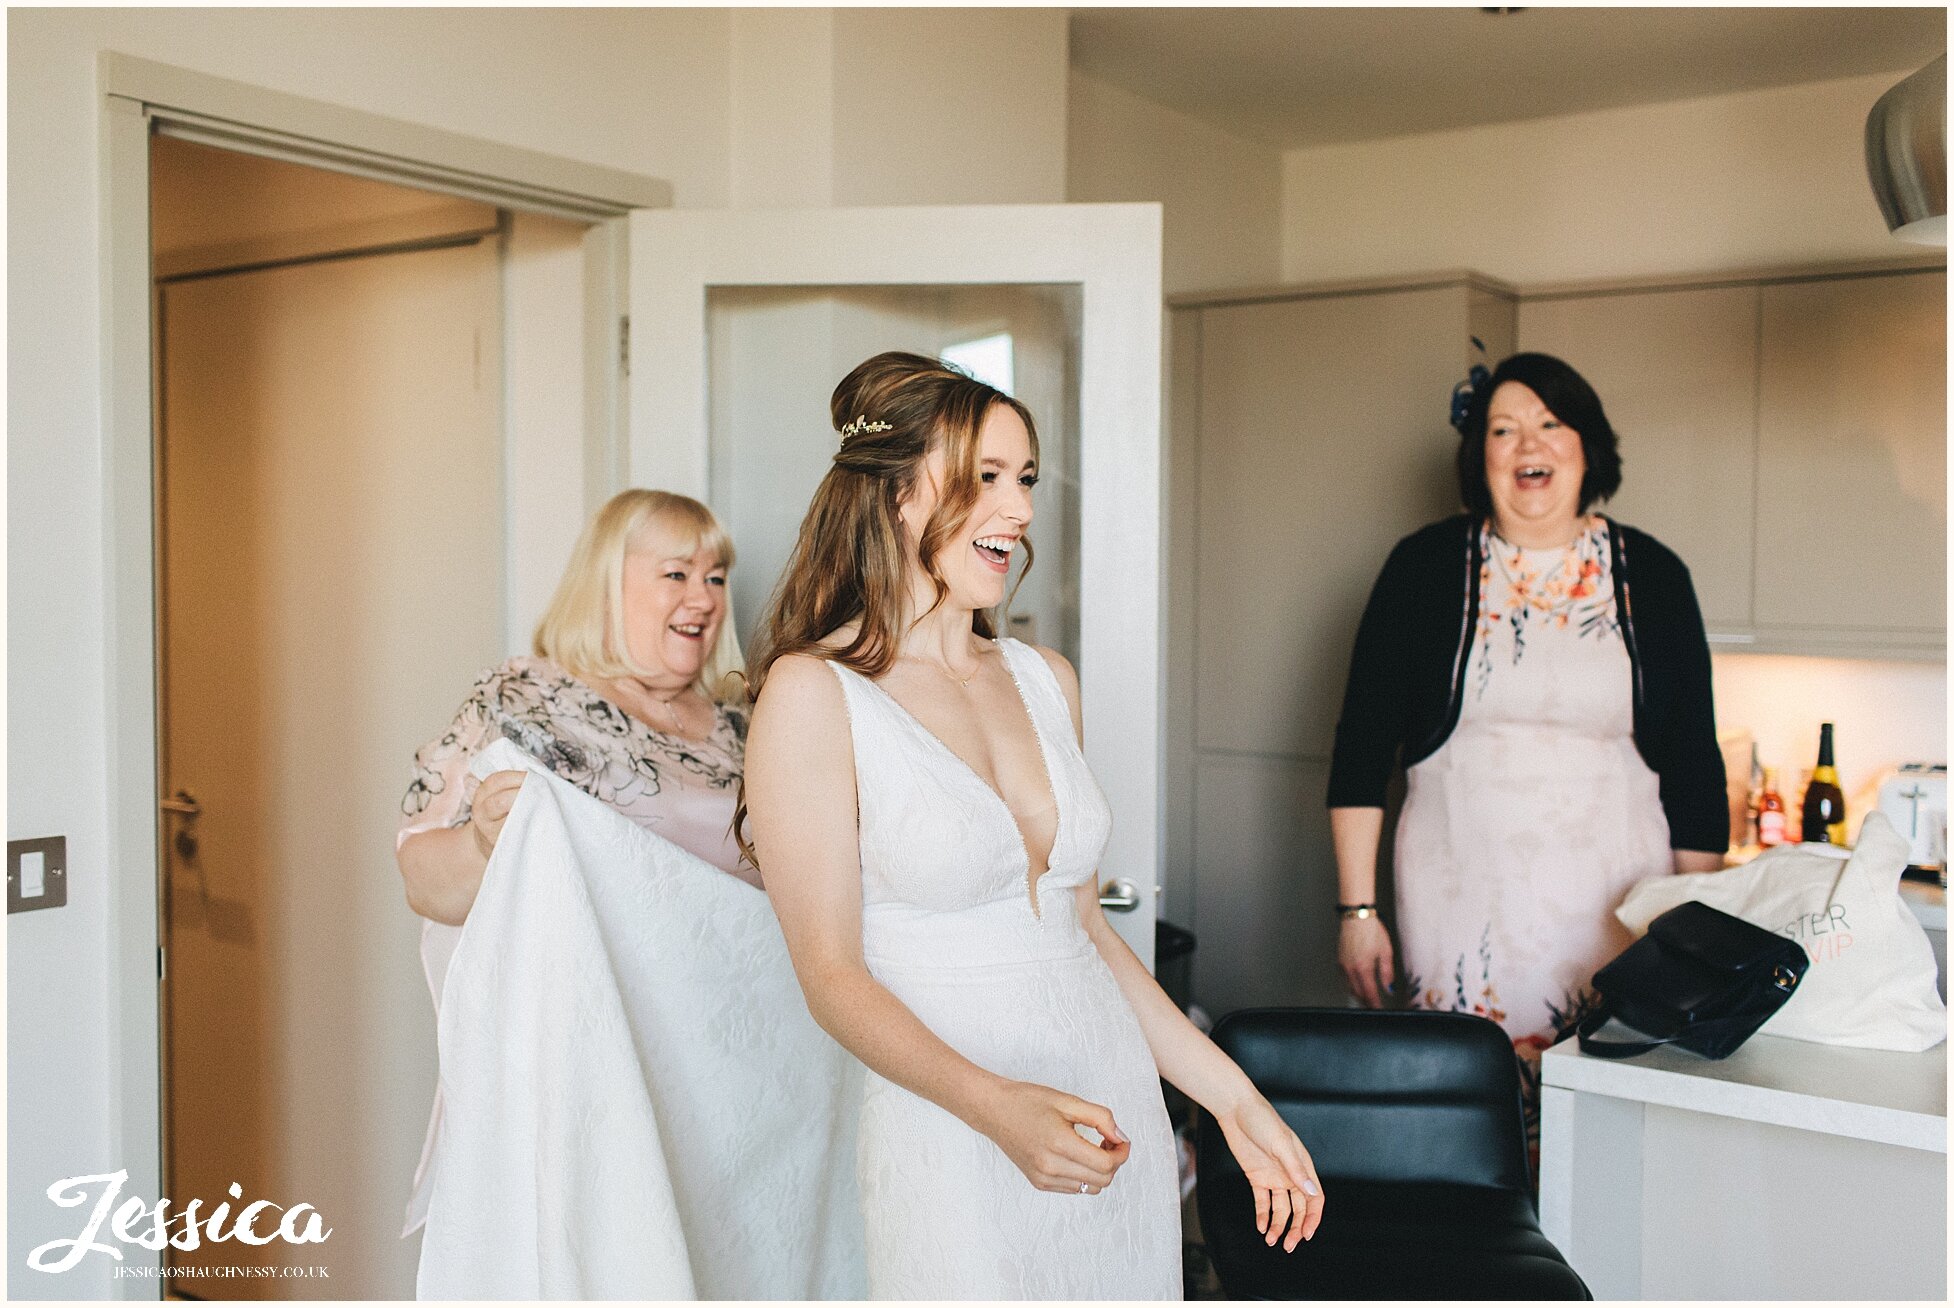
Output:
x,y
1906,155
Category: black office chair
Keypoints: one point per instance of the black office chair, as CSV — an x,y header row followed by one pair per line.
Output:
x,y
1414,1122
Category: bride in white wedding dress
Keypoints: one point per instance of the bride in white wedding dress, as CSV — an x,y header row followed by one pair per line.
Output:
x,y
929,834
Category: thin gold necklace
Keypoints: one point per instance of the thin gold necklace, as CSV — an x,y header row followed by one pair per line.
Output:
x,y
670,705
944,669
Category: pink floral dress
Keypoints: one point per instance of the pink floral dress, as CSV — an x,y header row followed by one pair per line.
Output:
x,y
681,789
1526,828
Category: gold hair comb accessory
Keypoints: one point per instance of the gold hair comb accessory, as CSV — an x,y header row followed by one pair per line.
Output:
x,y
862,424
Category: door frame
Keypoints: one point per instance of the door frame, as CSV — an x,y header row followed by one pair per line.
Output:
x,y
137,98
1112,252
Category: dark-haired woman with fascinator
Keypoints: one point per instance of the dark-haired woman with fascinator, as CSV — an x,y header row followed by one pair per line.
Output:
x,y
1541,673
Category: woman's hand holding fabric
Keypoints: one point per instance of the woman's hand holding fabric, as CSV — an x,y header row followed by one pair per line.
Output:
x,y
1033,1124
493,800
1288,1196
1364,953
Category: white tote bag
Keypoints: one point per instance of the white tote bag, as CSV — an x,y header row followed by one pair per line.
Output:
x,y
1871,982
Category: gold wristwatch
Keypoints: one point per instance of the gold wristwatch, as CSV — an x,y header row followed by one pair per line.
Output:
x,y
1356,912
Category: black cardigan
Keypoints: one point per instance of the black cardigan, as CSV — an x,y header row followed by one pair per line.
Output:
x,y
1408,670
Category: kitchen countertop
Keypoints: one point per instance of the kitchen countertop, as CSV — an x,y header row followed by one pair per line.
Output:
x,y
1928,902
1787,1171
1864,1094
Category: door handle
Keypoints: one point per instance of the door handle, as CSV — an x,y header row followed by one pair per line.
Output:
x,y
1120,896
184,804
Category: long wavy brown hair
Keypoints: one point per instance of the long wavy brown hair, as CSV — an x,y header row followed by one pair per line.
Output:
x,y
851,560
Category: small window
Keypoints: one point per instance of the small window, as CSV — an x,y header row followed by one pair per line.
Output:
x,y
988,359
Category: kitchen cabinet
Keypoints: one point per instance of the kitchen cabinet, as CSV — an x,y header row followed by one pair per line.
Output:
x,y
1786,435
1788,1170
1677,373
1310,434
1323,440
1852,462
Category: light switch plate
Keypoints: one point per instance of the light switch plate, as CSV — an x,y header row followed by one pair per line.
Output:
x,y
53,853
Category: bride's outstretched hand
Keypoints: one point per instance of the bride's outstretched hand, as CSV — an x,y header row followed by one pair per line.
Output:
x,y
1287,1191
1033,1123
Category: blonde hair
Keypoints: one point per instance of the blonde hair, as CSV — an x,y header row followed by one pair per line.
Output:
x,y
851,560
582,631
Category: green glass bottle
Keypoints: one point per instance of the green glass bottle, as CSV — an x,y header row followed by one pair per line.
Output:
x,y
1824,807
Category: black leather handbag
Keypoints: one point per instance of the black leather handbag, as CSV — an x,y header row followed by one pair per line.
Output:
x,y
1700,978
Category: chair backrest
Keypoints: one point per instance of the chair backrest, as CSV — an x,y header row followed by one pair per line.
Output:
x,y
1386,1096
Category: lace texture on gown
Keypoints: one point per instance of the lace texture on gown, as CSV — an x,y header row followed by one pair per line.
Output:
x,y
1016,986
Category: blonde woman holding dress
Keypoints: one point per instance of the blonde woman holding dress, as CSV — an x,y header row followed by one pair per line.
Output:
x,y
930,834
627,696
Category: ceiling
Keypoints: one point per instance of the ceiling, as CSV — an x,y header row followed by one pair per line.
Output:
x,y
1298,77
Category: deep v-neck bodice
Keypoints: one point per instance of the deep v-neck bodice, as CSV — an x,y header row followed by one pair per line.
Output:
x,y
1044,764
936,835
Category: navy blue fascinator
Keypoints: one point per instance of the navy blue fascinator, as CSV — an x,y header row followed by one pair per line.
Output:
x,y
1475,380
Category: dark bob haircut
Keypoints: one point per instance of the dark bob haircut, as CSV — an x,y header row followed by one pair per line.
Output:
x,y
1568,397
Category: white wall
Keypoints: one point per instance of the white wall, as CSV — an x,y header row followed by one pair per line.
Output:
x,y
1736,181
782,104
898,106
1220,195
949,106
637,89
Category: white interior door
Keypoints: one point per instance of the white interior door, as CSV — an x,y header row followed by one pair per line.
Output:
x,y
332,537
742,323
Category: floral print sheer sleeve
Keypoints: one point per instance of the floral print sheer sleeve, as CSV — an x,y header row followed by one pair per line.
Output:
x,y
441,792
679,788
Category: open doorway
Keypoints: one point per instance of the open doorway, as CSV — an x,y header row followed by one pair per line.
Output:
x,y
564,437
340,366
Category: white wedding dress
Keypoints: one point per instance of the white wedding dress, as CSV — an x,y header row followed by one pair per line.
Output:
x,y
1010,980
634,1102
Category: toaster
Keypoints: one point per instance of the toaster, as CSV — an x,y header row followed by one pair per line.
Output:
x,y
1914,799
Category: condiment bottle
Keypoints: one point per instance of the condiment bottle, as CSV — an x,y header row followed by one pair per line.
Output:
x,y
1770,812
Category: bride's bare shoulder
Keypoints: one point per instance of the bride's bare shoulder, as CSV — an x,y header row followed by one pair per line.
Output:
x,y
802,685
1061,668
1068,679
793,676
